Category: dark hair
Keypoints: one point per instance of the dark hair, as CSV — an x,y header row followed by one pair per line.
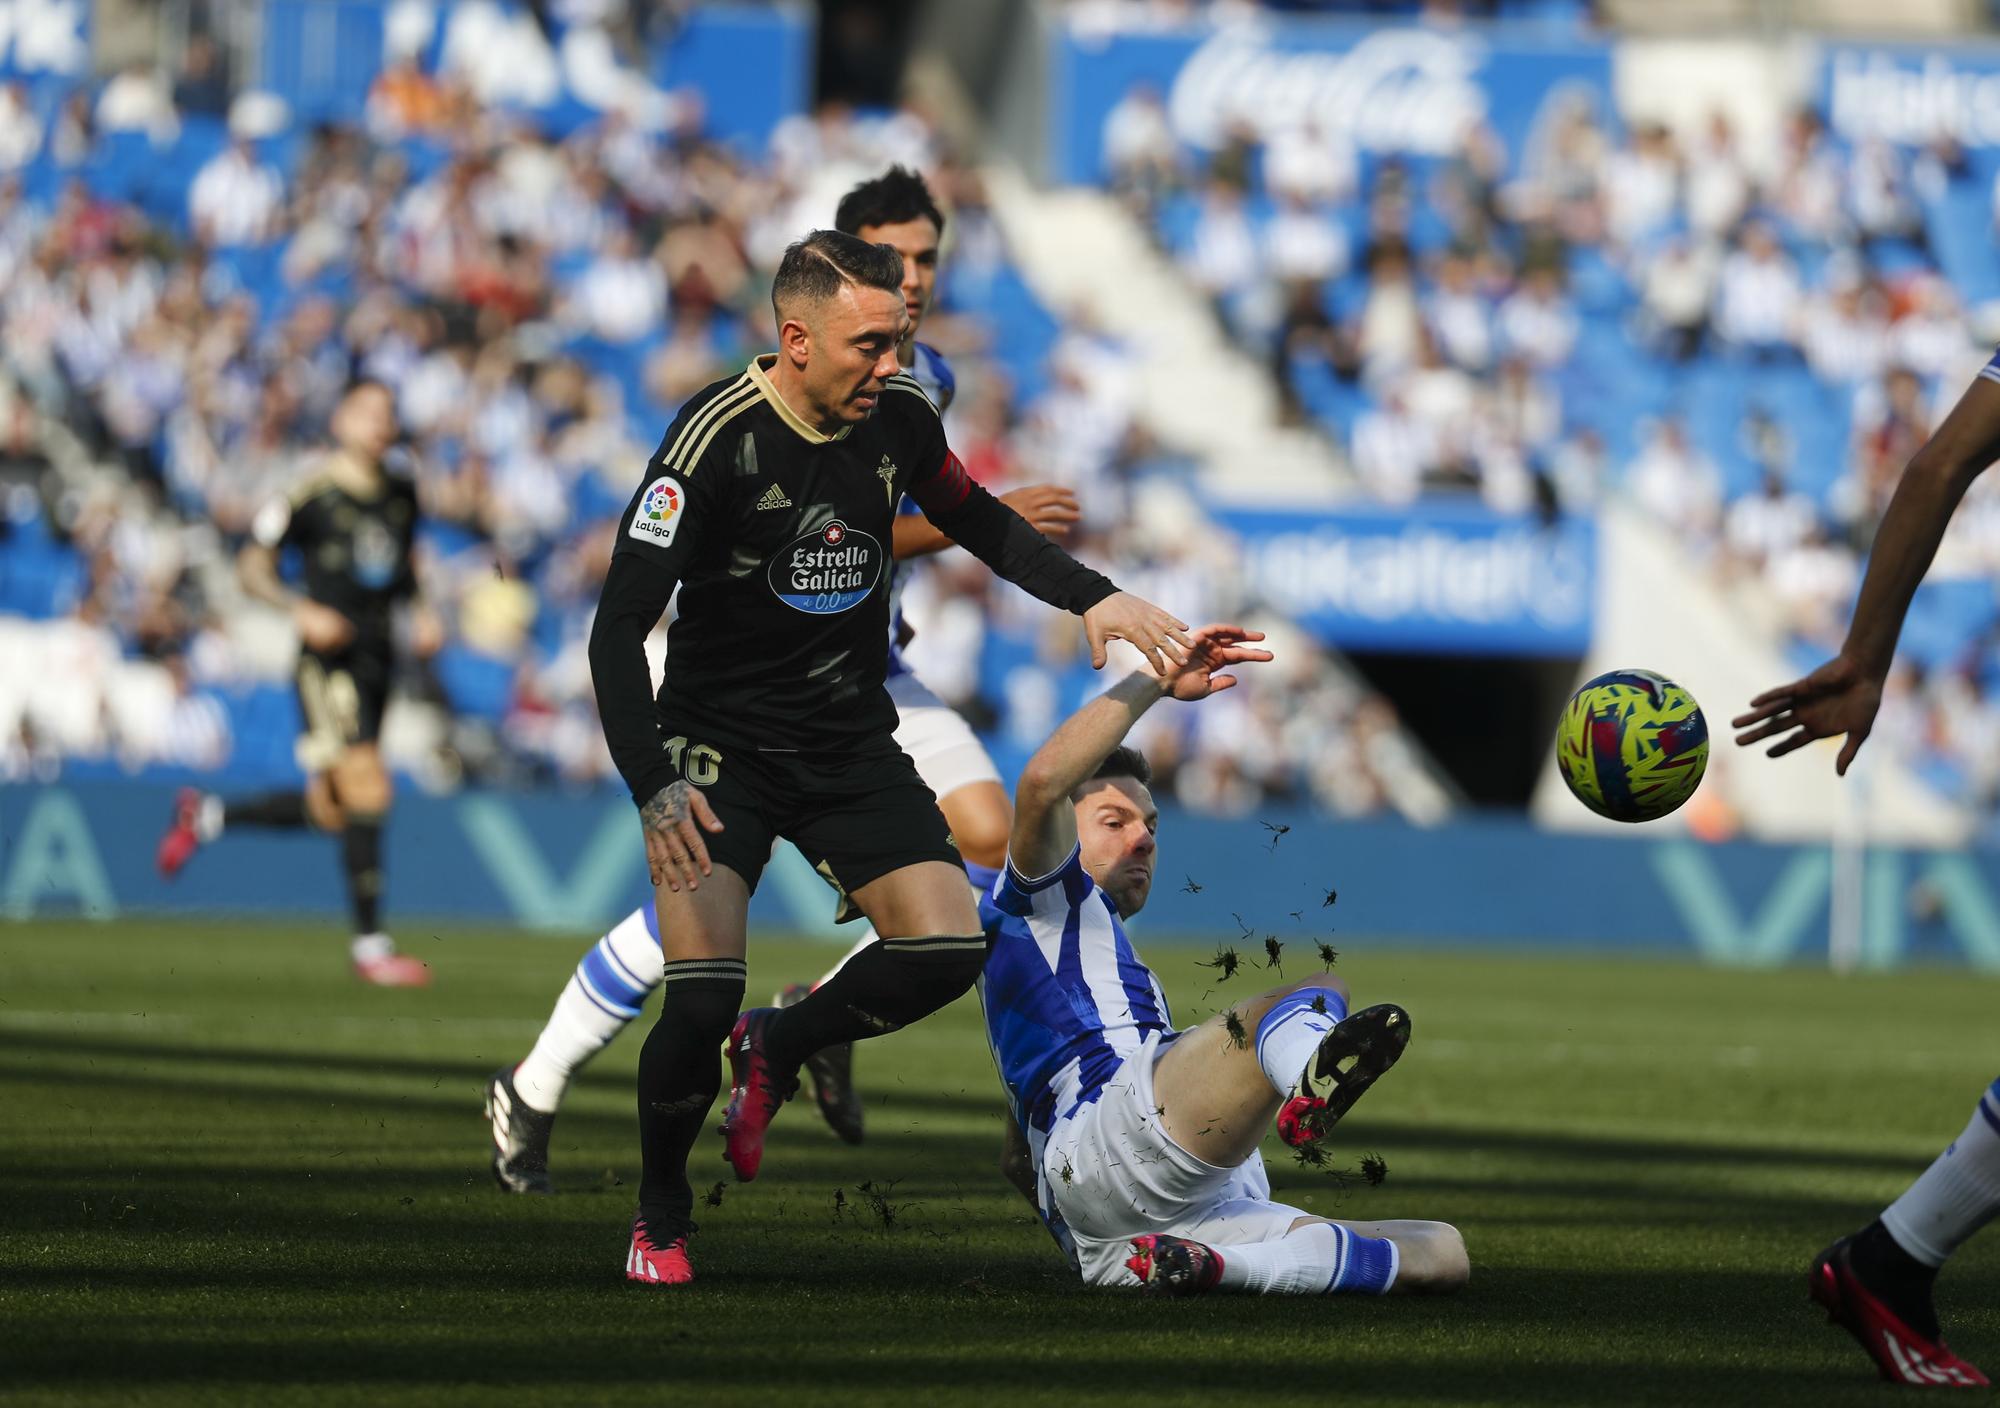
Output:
x,y
898,194
1126,762
815,267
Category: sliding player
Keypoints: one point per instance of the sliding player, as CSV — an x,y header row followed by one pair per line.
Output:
x,y
1140,1140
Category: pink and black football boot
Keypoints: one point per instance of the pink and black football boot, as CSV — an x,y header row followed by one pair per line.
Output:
x,y
183,836
1903,1353
755,1093
655,1263
1174,1266
1350,1058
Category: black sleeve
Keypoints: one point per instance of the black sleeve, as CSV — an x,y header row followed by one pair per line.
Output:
x,y
635,593
1004,541
661,527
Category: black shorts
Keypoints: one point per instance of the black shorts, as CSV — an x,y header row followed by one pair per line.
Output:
x,y
855,815
341,698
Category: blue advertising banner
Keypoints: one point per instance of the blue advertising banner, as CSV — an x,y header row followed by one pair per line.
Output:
x,y
1401,89
1433,578
748,64
1911,94
573,865
44,38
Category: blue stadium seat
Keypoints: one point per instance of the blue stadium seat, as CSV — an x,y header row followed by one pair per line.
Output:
x,y
1960,221
1947,617
477,685
266,724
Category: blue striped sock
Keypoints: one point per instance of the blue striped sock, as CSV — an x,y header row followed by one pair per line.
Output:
x,y
1291,1031
607,990
1366,1265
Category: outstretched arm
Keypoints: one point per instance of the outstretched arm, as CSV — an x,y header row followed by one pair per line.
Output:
x,y
1002,539
1050,510
1044,822
1841,696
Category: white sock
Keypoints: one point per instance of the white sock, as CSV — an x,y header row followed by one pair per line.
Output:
x,y
603,995
1310,1261
208,818
1290,1033
1957,1195
371,948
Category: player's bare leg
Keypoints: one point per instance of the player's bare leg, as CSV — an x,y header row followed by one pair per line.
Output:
x,y
1222,1083
1293,1054
702,939
979,814
1428,1258
930,952
360,792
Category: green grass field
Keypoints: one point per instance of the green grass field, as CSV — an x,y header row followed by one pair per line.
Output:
x,y
230,1174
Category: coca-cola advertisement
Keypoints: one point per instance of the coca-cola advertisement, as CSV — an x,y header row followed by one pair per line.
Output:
x,y
1408,90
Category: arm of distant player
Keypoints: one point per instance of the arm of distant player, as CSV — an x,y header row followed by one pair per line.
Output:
x,y
1044,822
672,812
1841,696
1050,509
320,627
1002,539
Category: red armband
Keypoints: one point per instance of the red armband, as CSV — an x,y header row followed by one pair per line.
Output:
x,y
943,491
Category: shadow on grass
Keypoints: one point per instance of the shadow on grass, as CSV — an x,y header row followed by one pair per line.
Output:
x,y
784,1329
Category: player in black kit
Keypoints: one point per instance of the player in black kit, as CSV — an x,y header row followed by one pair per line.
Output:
x,y
770,503
352,523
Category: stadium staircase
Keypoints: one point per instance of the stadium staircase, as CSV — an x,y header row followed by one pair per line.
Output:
x,y
1198,394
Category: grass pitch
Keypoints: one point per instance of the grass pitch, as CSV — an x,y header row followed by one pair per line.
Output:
x,y
228,1173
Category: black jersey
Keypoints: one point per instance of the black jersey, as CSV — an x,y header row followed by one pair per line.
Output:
x,y
356,551
779,537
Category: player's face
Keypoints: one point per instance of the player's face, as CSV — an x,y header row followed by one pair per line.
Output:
x,y
917,241
1117,827
853,352
364,423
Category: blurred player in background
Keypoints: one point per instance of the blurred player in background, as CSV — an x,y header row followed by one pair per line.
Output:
x,y
761,506
1137,1142
612,982
1877,1283
353,523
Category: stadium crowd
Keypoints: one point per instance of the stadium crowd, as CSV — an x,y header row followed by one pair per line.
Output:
x,y
1746,345
183,294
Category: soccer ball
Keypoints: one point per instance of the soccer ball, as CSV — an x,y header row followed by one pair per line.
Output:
x,y
1632,745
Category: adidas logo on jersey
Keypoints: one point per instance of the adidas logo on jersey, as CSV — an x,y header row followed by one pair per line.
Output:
x,y
774,497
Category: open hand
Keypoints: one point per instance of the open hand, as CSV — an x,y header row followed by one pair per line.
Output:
x,y
1050,509
1839,697
1160,636
674,819
1214,648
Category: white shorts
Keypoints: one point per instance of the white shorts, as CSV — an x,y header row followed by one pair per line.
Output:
x,y
948,754
1125,1177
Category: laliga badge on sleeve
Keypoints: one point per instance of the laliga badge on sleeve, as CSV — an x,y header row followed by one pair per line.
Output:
x,y
658,516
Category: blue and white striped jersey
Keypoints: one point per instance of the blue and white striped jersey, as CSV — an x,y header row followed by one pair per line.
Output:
x,y
1991,371
929,370
1065,996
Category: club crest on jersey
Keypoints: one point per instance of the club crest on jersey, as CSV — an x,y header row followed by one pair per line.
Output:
x,y
375,555
658,516
827,571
